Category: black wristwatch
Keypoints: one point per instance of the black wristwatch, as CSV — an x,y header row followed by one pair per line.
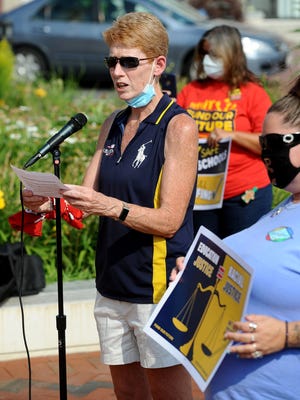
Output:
x,y
124,212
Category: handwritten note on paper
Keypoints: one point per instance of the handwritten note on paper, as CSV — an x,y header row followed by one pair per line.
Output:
x,y
41,183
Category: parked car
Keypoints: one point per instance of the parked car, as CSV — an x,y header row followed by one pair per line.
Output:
x,y
66,36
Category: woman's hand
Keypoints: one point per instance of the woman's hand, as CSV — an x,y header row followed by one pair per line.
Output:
x,y
179,267
216,135
38,204
87,200
258,336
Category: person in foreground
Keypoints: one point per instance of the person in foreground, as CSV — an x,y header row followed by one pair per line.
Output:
x,y
229,101
141,183
264,359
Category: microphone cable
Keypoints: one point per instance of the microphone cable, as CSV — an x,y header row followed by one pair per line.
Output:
x,y
19,291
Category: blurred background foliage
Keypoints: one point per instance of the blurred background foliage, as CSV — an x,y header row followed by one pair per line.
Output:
x,y
29,114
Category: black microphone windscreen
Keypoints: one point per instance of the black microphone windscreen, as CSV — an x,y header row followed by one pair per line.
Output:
x,y
80,119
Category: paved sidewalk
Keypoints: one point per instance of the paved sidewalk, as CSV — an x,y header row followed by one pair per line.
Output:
x,y
87,379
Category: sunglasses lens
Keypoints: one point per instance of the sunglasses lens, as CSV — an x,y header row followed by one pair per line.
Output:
x,y
129,62
126,62
110,62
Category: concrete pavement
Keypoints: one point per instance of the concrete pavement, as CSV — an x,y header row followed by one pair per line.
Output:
x,y
87,378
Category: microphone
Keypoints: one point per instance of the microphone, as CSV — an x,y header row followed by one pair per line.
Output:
x,y
74,125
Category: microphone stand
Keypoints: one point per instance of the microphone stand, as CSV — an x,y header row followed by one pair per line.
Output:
x,y
60,318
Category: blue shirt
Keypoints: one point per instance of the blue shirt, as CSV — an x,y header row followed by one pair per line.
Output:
x,y
272,248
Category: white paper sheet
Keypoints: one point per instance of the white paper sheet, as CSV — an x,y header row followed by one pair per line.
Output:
x,y
41,183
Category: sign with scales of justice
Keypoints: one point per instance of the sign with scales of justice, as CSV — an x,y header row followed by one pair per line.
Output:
x,y
196,310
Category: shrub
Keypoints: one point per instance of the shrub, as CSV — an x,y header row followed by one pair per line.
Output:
x,y
6,68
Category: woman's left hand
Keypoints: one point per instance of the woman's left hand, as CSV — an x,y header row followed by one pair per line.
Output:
x,y
258,336
216,135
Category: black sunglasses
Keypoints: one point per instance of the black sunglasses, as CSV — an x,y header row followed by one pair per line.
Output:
x,y
275,141
126,62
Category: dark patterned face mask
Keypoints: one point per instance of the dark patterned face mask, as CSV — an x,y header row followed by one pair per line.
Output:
x,y
276,156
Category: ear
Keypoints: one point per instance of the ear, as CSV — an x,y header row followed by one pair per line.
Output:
x,y
160,66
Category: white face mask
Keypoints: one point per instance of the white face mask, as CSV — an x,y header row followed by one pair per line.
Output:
x,y
213,67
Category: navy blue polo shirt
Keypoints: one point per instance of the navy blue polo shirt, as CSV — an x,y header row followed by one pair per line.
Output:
x,y
133,266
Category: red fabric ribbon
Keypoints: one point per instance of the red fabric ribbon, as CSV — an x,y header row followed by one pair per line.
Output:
x,y
33,222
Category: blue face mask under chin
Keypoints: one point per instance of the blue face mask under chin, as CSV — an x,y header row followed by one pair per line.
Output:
x,y
144,98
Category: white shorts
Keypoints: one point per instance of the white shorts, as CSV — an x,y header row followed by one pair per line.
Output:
x,y
122,339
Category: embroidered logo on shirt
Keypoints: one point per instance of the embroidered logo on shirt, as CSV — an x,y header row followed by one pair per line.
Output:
x,y
141,156
109,150
280,234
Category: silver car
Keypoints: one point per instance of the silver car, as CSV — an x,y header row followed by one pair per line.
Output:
x,y
65,36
